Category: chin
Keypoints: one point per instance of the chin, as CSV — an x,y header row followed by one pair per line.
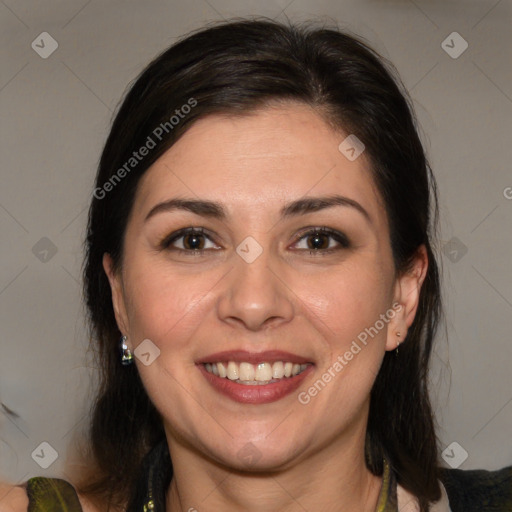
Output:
x,y
258,457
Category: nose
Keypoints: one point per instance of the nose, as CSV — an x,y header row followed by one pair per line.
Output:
x,y
254,296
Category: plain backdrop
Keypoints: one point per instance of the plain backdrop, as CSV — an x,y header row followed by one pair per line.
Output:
x,y
56,113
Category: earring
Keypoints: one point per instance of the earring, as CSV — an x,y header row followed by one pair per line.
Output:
x,y
397,342
126,355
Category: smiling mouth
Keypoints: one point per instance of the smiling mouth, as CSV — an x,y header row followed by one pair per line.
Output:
x,y
255,374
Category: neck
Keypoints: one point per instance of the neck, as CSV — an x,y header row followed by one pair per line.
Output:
x,y
333,479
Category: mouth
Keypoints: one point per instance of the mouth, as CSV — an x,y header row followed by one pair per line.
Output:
x,y
260,374
255,378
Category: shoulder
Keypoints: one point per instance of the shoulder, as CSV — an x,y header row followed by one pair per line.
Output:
x,y
478,489
15,498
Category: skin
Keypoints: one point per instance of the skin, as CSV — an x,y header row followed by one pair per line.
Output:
x,y
311,457
13,498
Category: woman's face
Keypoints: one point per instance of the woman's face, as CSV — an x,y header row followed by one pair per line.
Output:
x,y
259,288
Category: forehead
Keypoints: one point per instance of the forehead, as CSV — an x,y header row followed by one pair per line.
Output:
x,y
264,159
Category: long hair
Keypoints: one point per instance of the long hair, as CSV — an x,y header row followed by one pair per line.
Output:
x,y
234,68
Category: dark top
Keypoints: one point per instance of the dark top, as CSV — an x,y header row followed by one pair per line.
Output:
x,y
468,491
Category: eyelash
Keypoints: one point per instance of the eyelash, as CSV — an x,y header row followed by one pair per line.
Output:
x,y
335,235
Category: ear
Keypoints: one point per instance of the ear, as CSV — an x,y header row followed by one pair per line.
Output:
x,y
116,287
406,299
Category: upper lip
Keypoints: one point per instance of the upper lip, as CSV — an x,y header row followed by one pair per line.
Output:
x,y
269,356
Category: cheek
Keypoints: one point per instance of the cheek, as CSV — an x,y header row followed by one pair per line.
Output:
x,y
346,301
167,306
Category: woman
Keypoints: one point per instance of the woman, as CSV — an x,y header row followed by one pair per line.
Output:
x,y
262,288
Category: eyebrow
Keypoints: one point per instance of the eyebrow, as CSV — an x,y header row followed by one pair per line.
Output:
x,y
215,210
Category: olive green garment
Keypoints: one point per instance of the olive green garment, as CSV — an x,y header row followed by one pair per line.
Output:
x,y
51,495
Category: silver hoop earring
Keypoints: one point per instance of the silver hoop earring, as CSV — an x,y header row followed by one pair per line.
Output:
x,y
397,342
126,355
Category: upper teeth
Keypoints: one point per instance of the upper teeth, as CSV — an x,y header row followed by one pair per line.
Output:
x,y
260,372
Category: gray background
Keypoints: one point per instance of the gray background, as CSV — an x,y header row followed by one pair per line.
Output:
x,y
55,117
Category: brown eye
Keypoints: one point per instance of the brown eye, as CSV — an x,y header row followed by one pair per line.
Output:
x,y
322,241
193,242
318,241
188,240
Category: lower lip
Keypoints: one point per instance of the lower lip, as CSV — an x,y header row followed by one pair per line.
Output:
x,y
257,394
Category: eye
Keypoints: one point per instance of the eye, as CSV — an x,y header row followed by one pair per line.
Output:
x,y
321,240
188,240
194,241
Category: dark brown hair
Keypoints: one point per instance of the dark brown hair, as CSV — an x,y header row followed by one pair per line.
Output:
x,y
234,68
